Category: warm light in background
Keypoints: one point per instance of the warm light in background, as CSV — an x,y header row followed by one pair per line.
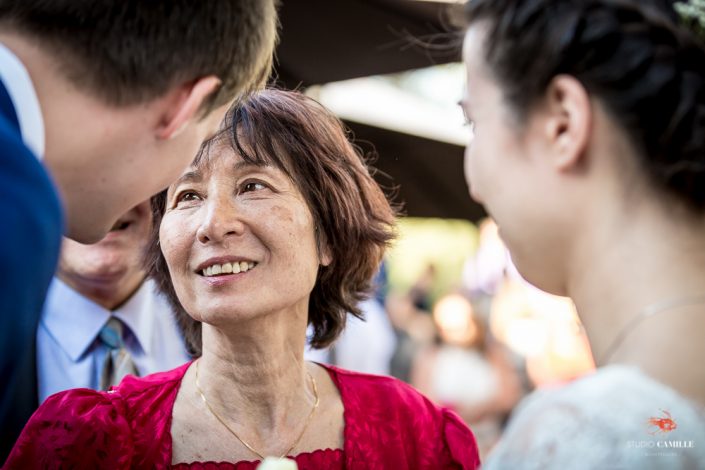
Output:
x,y
453,315
544,328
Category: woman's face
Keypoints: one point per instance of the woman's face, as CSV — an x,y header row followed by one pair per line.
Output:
x,y
503,167
239,241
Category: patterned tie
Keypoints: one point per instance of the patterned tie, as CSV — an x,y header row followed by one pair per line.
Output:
x,y
118,362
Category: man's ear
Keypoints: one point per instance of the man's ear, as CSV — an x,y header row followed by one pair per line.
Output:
x,y
182,104
569,121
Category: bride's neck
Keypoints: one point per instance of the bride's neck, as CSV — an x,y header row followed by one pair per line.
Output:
x,y
646,261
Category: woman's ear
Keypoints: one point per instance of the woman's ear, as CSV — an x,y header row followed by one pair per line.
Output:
x,y
326,257
569,120
324,254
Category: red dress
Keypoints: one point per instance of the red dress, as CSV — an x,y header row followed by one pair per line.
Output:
x,y
388,424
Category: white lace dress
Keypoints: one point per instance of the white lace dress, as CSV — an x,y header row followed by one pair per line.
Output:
x,y
616,418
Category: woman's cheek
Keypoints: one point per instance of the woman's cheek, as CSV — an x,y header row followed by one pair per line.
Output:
x,y
173,241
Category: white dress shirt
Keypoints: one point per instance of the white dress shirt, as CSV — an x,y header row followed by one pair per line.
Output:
x,y
70,354
21,90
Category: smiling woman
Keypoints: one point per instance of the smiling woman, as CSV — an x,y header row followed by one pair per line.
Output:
x,y
285,156
277,225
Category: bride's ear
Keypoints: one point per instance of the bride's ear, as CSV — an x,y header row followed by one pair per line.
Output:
x,y
568,123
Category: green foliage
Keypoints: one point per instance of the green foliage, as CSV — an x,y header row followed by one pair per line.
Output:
x,y
692,13
443,242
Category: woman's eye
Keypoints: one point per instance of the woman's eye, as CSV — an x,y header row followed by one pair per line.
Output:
x,y
253,186
187,196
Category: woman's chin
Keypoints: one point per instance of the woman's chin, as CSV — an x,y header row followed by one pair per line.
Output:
x,y
223,314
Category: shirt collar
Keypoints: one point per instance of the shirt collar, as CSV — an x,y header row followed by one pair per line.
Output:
x,y
75,321
19,86
138,313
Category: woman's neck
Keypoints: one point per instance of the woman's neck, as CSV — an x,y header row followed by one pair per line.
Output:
x,y
255,372
646,260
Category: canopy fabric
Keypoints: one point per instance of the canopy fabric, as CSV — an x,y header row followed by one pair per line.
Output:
x,y
324,41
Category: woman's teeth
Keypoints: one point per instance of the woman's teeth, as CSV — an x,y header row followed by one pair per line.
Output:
x,y
228,268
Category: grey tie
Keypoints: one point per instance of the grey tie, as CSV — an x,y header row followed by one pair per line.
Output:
x,y
118,362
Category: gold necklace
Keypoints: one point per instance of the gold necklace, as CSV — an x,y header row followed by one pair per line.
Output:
x,y
222,421
649,311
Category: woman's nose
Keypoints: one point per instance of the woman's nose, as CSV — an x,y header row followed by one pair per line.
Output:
x,y
221,220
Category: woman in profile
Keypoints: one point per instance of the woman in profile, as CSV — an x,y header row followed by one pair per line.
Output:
x,y
589,152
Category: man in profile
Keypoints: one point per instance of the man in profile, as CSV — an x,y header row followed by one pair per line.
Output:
x,y
102,104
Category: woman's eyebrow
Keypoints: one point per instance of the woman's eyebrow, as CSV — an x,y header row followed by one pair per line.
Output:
x,y
242,164
189,177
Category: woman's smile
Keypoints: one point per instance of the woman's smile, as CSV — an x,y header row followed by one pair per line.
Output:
x,y
217,273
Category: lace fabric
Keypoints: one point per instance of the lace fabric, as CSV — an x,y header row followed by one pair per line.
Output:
x,y
609,420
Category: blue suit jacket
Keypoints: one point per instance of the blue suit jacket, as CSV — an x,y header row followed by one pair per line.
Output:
x,y
30,238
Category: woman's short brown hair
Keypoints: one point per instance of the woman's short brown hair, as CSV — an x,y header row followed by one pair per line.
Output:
x,y
353,218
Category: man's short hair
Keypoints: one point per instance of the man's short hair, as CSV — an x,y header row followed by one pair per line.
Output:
x,y
132,51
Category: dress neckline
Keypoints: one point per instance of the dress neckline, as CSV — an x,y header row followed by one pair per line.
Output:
x,y
332,373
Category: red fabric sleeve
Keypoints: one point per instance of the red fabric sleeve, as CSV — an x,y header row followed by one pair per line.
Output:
x,y
74,429
460,441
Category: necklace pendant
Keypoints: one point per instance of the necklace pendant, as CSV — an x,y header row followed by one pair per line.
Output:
x,y
277,463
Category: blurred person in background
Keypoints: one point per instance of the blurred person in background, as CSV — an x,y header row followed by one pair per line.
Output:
x,y
421,292
485,271
468,371
414,331
251,248
102,319
367,344
592,163
102,104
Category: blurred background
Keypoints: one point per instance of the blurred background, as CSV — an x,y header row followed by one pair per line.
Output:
x,y
450,314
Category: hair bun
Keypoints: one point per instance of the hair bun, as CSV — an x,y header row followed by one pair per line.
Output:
x,y
641,58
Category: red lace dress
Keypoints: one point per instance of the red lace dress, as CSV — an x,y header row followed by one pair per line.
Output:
x,y
387,425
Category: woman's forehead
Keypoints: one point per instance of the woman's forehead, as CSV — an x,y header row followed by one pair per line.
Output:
x,y
474,49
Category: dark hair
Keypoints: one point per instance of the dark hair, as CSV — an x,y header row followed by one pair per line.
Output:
x,y
131,51
353,218
644,65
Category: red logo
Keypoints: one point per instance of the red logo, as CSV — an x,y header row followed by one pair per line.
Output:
x,y
662,425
